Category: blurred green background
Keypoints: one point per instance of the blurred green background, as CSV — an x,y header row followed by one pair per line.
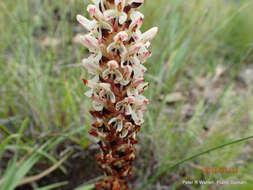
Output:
x,y
201,95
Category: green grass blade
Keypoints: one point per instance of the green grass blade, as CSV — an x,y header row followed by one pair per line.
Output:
x,y
5,142
52,186
165,169
88,187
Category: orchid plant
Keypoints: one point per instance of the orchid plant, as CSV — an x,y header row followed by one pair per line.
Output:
x,y
118,50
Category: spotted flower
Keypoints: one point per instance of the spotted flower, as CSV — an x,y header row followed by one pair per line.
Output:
x,y
117,46
100,93
112,72
117,122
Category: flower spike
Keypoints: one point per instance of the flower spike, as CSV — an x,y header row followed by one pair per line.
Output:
x,y
118,51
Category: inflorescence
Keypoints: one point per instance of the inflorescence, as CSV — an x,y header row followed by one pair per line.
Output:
x,y
118,50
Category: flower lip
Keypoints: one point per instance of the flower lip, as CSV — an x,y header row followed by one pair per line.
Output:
x,y
121,36
130,100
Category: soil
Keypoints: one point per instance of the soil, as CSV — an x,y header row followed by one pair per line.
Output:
x,y
81,167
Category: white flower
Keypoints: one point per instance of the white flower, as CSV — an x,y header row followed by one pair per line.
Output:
x,y
117,12
134,61
125,105
106,94
137,87
94,26
117,46
100,93
117,123
134,106
93,45
149,35
144,53
137,19
127,75
138,109
90,42
91,26
92,65
130,57
112,72
100,4
95,12
99,17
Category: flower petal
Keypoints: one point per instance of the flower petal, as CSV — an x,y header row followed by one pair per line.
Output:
x,y
110,14
135,48
124,133
120,126
129,110
91,66
118,76
106,73
98,56
150,34
106,26
111,47
99,3
123,50
142,87
114,119
138,118
112,97
128,71
94,12
142,68
120,4
90,84
121,37
135,60
89,93
105,86
98,106
137,20
89,41
87,24
123,18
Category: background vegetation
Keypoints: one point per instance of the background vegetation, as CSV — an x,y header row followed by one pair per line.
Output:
x,y
200,75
